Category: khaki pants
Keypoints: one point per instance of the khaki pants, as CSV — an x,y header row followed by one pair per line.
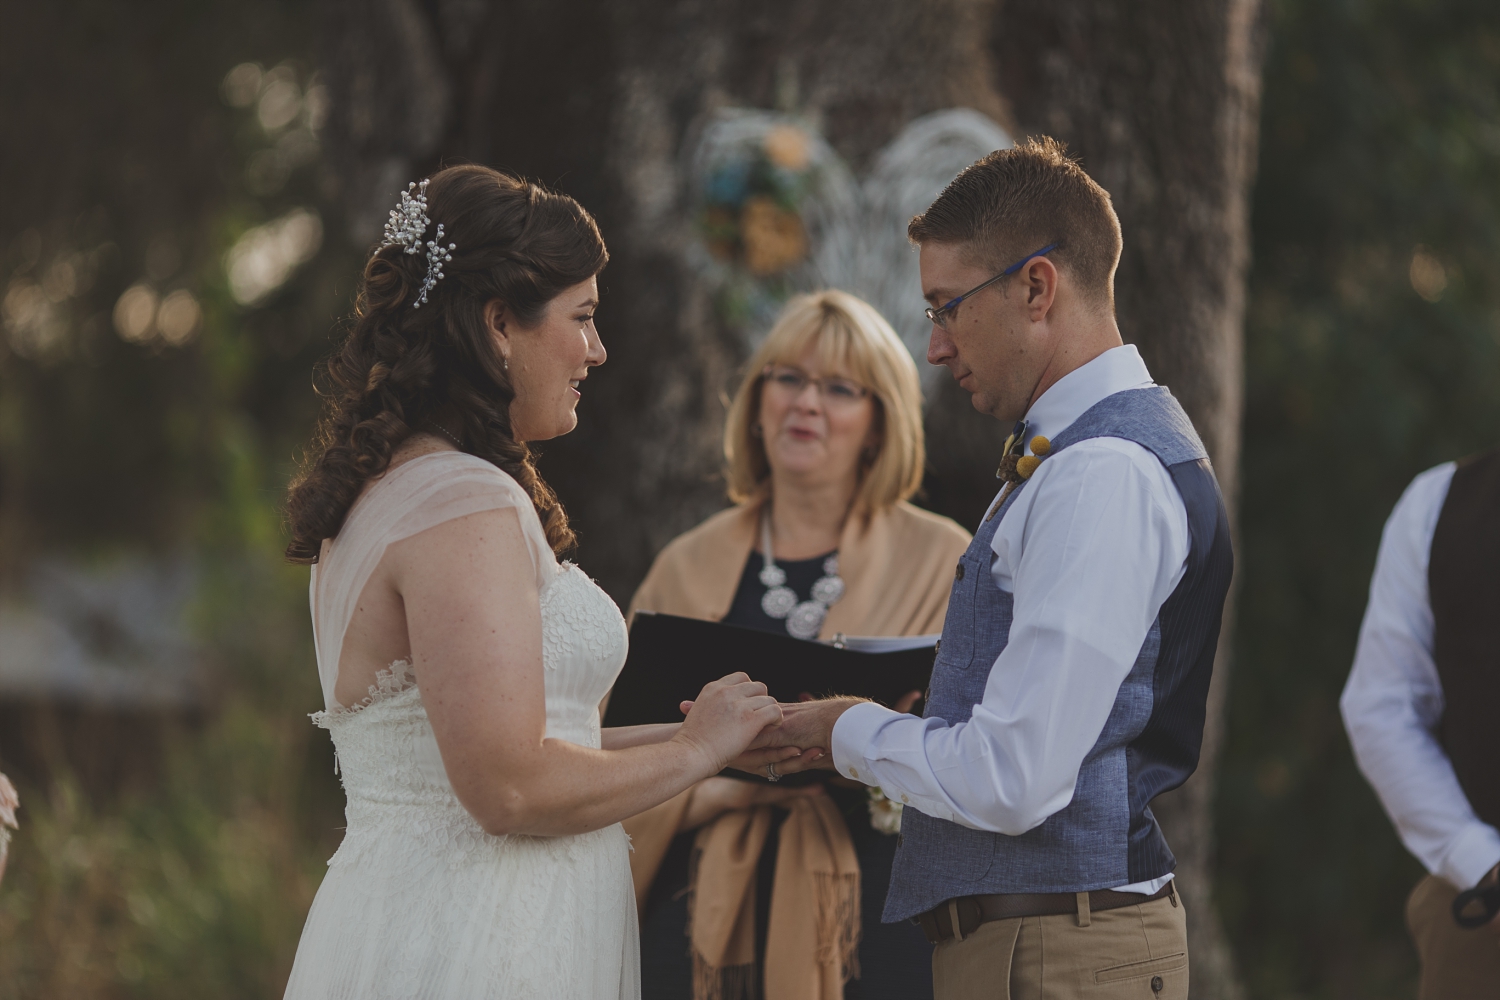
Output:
x,y
1135,951
1457,964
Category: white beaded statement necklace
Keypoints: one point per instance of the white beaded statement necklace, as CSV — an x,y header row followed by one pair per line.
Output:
x,y
804,619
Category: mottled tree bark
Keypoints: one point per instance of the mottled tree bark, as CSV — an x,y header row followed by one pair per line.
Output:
x,y
603,100
1161,100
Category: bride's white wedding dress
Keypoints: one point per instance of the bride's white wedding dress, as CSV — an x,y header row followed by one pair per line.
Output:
x,y
420,902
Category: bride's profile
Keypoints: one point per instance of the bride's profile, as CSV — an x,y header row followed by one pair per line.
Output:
x,y
462,663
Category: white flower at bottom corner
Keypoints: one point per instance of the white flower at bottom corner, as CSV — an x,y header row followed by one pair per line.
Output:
x,y
885,815
9,800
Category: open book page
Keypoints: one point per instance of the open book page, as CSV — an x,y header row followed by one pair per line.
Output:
x,y
884,643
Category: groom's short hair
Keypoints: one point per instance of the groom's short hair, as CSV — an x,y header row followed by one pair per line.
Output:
x,y
1017,201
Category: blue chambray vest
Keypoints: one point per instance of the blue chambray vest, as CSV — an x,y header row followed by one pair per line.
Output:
x,y
1106,836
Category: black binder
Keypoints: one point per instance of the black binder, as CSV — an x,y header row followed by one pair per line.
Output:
x,y
671,658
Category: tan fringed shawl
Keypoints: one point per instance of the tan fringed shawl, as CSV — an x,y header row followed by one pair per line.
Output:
x,y
898,568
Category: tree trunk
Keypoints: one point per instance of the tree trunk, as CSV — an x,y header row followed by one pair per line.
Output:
x,y
1161,100
605,100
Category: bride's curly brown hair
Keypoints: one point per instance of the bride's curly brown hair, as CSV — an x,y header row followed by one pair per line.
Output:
x,y
400,367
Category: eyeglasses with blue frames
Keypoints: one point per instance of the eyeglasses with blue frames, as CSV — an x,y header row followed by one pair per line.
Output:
x,y
941,315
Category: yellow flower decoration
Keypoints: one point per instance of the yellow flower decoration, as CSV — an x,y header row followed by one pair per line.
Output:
x,y
1018,468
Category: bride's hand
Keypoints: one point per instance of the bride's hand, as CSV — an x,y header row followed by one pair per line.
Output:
x,y
788,760
726,718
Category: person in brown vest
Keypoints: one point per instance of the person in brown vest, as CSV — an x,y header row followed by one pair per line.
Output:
x,y
1419,707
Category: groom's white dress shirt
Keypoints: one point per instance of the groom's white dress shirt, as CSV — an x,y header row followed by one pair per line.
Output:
x,y
1394,700
1091,548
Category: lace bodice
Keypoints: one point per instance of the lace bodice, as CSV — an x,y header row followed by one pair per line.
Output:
x,y
389,760
419,900
583,649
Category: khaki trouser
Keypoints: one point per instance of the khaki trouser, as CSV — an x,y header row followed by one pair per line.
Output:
x,y
1457,963
1135,951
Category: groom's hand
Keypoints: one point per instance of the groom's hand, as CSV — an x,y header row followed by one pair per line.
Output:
x,y
768,748
807,723
801,747
810,724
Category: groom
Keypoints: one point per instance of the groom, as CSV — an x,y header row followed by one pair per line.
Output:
x,y
1070,683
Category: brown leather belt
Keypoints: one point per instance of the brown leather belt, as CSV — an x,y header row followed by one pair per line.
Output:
x,y
972,911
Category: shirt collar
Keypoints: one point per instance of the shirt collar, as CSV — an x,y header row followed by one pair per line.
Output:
x,y
1116,370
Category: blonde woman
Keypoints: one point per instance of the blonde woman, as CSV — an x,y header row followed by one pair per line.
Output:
x,y
823,447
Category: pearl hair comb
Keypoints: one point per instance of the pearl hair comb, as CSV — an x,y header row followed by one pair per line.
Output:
x,y
408,223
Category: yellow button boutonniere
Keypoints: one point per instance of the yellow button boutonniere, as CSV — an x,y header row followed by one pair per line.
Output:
x,y
1017,468
1027,464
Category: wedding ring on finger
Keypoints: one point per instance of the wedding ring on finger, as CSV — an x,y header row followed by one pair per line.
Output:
x,y
771,774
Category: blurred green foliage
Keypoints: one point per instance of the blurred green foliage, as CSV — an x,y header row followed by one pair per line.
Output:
x,y
1373,352
128,163
198,889
125,165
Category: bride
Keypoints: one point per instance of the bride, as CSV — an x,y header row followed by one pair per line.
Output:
x,y
462,665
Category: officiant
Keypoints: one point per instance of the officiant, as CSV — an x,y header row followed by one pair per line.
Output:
x,y
823,447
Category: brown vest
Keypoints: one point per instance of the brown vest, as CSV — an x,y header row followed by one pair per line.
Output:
x,y
1463,578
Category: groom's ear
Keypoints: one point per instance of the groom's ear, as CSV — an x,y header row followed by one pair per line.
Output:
x,y
1039,279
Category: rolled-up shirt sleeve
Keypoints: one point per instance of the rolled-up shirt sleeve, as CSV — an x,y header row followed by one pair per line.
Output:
x,y
1091,549
1393,700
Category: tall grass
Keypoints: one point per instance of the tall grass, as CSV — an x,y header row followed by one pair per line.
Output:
x,y
199,886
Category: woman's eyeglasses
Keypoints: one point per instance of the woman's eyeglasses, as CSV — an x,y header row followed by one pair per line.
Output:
x,y
834,390
943,313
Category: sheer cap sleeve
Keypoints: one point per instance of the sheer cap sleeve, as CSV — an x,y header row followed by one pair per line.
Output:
x,y
420,494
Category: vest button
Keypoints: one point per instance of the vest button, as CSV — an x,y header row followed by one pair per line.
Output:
x,y
958,574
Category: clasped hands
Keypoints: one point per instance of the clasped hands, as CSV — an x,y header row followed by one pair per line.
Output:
x,y
794,736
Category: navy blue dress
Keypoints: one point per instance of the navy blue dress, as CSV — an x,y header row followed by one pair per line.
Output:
x,y
895,959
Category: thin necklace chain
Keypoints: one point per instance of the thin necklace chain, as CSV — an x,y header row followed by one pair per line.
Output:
x,y
445,432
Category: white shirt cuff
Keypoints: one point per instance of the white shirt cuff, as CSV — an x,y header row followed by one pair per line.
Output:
x,y
1474,852
852,735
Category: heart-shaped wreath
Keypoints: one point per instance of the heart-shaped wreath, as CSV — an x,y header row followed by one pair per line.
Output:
x,y
778,212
